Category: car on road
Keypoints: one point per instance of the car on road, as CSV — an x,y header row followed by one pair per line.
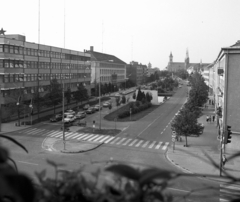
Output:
x,y
57,117
81,114
69,119
70,111
86,106
90,110
106,104
97,107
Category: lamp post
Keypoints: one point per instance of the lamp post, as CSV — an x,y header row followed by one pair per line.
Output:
x,y
63,126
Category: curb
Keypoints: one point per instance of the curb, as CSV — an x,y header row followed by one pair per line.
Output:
x,y
81,151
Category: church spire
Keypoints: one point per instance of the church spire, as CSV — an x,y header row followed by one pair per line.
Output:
x,y
171,57
187,60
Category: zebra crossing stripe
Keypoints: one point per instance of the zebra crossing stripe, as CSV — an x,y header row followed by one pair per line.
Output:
x,y
32,131
60,134
138,144
49,132
121,141
29,130
132,143
150,146
82,136
53,134
68,134
127,142
76,135
88,137
104,138
96,136
158,145
36,132
73,134
114,141
165,146
101,136
146,143
108,140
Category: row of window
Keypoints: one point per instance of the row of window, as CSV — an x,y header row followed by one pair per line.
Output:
x,y
111,71
7,63
35,89
10,78
5,48
111,65
109,78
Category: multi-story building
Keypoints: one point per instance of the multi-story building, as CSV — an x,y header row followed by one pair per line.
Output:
x,y
106,69
224,80
137,73
31,67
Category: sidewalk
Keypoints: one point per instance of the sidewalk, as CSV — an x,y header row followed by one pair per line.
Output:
x,y
194,159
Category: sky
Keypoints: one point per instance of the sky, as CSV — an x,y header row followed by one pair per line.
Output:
x,y
132,30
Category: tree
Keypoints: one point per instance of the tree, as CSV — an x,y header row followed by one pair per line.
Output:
x,y
68,96
148,96
55,93
185,123
139,95
81,93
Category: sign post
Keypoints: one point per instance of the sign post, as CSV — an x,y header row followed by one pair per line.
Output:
x,y
174,139
93,125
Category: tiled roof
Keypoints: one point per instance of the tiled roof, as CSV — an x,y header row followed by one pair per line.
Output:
x,y
96,56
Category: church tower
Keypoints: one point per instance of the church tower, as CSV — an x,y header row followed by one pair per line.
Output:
x,y
187,60
170,62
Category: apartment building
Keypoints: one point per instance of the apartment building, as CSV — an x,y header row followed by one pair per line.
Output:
x,y
30,67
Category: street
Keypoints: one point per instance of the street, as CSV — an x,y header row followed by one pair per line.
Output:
x,y
153,131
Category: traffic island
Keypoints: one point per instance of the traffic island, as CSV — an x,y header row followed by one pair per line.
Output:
x,y
74,146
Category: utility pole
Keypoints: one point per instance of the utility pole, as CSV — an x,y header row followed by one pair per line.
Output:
x,y
63,128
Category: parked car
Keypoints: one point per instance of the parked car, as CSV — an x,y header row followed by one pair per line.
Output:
x,y
86,106
106,104
70,111
81,115
90,110
97,107
69,119
57,117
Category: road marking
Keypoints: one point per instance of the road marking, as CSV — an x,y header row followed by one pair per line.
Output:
x,y
146,143
73,134
93,137
60,134
82,136
37,131
158,145
104,138
121,141
139,143
133,142
127,142
101,136
151,145
107,141
76,135
114,141
165,146
88,137
27,163
54,133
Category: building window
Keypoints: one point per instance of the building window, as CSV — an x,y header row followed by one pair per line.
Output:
x,y
6,63
1,48
6,49
21,50
6,78
16,49
11,49
1,64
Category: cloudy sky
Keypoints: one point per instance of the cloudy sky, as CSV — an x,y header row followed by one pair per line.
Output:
x,y
132,30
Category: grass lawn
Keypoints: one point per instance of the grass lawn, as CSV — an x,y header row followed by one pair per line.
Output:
x,y
134,117
111,132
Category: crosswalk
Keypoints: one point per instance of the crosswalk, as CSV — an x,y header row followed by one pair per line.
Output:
x,y
107,139
229,192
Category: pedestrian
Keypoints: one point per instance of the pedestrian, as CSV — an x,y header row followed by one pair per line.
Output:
x,y
207,118
210,118
213,118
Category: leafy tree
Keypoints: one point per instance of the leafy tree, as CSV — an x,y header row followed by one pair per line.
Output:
x,y
185,124
81,93
139,95
55,93
123,99
68,96
134,95
182,73
148,97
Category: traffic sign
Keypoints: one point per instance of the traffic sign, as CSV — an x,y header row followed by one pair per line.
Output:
x,y
173,132
173,139
174,136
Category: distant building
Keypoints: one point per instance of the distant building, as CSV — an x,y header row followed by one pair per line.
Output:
x,y
106,68
174,66
137,73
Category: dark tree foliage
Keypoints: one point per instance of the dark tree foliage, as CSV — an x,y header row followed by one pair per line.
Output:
x,y
55,93
81,93
139,95
68,96
182,73
148,97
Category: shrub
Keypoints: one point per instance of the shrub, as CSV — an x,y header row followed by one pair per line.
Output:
x,y
123,99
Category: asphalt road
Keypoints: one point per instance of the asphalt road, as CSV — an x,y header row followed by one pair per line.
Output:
x,y
153,127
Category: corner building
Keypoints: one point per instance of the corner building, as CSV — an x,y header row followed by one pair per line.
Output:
x,y
30,67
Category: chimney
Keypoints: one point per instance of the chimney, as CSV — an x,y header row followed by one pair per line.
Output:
x,y
91,48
